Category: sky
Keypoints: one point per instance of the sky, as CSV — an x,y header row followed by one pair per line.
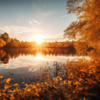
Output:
x,y
27,19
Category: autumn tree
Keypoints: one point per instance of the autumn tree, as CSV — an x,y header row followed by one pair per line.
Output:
x,y
5,37
86,29
13,43
2,42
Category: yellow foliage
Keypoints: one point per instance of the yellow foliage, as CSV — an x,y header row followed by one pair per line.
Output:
x,y
8,80
7,86
12,98
1,76
16,84
86,29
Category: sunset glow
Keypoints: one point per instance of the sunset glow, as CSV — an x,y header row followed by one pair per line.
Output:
x,y
39,39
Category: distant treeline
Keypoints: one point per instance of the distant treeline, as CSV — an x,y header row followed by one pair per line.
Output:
x,y
6,41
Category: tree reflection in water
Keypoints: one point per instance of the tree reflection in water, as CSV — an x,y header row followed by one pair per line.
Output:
x,y
6,54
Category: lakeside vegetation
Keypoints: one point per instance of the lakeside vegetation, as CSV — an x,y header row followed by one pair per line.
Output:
x,y
81,78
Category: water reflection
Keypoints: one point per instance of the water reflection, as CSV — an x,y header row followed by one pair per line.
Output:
x,y
38,56
6,54
28,62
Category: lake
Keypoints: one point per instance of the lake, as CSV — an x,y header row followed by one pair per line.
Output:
x,y
29,62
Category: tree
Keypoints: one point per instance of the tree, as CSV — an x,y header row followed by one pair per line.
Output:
x,y
2,42
5,37
13,43
87,26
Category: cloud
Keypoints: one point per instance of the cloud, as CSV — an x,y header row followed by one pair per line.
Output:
x,y
18,29
47,13
30,22
64,16
58,37
28,33
34,22
42,13
22,32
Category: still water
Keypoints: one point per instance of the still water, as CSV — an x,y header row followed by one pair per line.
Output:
x,y
29,62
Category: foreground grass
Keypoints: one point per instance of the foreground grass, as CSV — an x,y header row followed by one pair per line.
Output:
x,y
81,81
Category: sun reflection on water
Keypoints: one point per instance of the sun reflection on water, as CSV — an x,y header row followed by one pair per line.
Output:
x,y
38,56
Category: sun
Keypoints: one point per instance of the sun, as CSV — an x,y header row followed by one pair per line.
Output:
x,y
39,39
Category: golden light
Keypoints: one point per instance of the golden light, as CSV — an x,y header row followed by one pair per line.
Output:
x,y
38,56
39,39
